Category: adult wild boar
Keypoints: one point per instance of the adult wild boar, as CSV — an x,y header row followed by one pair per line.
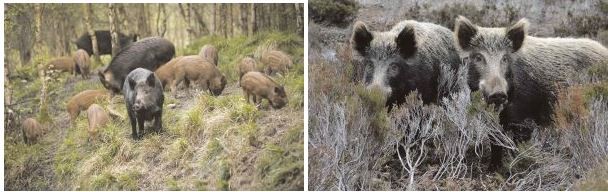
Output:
x,y
408,57
209,52
83,100
82,63
144,100
259,86
149,53
194,69
104,41
32,130
520,73
98,117
63,64
276,61
247,64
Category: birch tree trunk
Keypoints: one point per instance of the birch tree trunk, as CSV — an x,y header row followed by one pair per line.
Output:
x,y
87,20
113,29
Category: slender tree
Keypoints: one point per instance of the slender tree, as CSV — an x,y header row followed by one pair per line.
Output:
x,y
161,24
252,24
113,29
43,112
88,9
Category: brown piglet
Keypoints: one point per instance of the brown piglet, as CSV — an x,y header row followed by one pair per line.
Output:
x,y
83,100
260,86
32,130
98,117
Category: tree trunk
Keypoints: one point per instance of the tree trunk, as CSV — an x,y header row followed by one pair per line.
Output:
x,y
25,43
87,20
43,115
186,14
143,28
161,24
252,25
199,19
230,18
113,29
215,24
224,19
7,84
299,19
120,16
243,16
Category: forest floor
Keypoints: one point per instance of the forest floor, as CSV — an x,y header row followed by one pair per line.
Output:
x,y
207,143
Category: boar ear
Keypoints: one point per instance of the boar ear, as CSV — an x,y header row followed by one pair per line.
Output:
x,y
465,31
406,42
151,80
101,76
361,38
517,33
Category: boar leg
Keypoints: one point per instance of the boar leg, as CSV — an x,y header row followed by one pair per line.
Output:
x,y
158,123
141,131
133,125
246,96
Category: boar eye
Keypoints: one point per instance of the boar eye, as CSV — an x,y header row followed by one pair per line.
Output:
x,y
477,58
505,59
393,68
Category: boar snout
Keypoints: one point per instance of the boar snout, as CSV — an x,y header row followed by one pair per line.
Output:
x,y
497,98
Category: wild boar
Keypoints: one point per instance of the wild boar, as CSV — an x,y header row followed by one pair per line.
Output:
x,y
259,86
166,74
98,117
32,130
408,57
83,100
104,41
144,100
82,63
276,61
209,52
63,64
194,69
247,64
149,53
520,73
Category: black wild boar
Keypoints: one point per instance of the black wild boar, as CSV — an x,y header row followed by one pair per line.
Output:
x,y
149,53
521,73
408,57
104,41
144,98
